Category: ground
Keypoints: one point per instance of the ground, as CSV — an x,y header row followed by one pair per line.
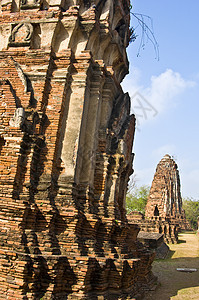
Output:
x,y
177,285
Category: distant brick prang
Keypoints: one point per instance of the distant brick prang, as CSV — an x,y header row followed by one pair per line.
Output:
x,y
164,205
164,213
66,137
165,197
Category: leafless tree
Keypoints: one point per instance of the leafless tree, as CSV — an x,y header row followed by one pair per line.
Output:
x,y
145,23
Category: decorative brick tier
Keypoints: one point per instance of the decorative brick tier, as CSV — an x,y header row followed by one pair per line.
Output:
x,y
66,137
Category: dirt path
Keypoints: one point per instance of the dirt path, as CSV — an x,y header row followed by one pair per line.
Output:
x,y
177,285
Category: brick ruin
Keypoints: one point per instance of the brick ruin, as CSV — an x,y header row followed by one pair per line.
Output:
x,y
165,197
66,137
164,213
165,200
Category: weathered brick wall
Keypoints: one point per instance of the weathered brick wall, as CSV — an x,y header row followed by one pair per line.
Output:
x,y
164,206
165,196
66,138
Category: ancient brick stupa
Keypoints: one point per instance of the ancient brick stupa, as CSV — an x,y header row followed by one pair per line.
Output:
x,y
66,138
164,205
165,197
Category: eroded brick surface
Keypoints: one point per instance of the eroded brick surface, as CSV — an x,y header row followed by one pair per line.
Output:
x,y
164,213
66,138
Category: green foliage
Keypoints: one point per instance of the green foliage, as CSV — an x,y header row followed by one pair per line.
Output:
x,y
191,208
133,35
137,199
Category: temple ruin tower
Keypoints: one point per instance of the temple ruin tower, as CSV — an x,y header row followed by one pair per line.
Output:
x,y
66,137
165,197
164,205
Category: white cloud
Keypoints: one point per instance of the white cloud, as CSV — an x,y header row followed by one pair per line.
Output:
x,y
165,93
160,96
164,89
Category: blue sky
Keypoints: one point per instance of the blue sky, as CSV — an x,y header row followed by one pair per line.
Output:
x,y
169,89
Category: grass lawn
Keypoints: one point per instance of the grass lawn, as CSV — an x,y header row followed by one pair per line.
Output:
x,y
177,285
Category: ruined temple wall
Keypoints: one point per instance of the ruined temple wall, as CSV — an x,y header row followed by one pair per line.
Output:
x,y
165,196
66,138
164,213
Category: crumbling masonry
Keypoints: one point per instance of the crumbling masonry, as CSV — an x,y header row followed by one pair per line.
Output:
x,y
164,205
164,213
165,197
66,136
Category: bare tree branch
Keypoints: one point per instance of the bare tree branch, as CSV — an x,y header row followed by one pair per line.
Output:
x,y
147,33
